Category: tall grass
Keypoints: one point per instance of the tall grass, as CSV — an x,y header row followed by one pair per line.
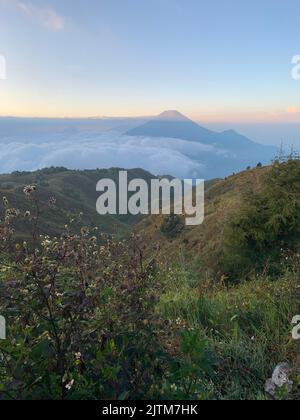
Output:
x,y
247,326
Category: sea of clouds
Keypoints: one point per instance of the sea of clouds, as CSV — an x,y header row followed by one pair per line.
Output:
x,y
89,150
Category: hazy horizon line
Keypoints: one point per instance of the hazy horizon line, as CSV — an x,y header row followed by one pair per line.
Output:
x,y
199,120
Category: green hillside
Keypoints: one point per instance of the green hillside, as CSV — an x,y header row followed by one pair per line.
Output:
x,y
235,279
200,246
74,193
168,313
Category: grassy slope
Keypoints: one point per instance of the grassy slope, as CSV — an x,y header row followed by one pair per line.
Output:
x,y
75,192
200,246
247,326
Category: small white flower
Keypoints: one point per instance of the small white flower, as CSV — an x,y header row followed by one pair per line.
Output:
x,y
70,385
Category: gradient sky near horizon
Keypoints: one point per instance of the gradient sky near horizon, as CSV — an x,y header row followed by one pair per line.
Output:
x,y
212,60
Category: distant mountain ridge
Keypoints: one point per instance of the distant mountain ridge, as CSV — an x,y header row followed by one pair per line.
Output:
x,y
169,143
173,124
233,151
172,115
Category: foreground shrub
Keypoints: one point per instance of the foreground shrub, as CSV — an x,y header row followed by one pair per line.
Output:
x,y
80,312
82,319
171,225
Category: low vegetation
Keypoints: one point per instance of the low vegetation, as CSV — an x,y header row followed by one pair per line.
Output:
x,y
193,313
267,229
75,193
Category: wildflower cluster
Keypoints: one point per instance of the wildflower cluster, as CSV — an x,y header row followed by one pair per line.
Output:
x,y
29,190
83,319
81,316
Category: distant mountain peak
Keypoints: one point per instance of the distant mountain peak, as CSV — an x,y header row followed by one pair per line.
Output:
x,y
174,125
171,115
230,132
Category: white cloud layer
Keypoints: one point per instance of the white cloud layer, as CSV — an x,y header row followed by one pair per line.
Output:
x,y
111,149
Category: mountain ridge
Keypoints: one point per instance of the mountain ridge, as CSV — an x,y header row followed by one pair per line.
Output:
x,y
171,115
231,151
173,124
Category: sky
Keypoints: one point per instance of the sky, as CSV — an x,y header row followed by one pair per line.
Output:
x,y
216,61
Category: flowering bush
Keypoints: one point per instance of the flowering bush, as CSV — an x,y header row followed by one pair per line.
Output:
x,y
80,311
82,318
